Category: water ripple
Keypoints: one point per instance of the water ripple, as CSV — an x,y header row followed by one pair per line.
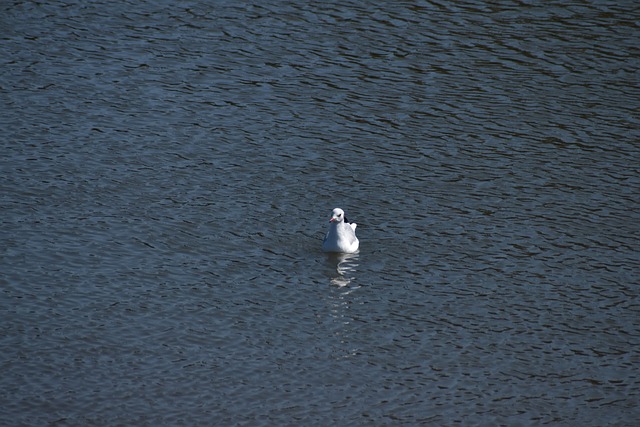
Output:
x,y
168,169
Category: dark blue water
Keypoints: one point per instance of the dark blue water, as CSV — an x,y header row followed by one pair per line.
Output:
x,y
168,171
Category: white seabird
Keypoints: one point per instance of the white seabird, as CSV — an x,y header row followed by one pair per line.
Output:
x,y
342,235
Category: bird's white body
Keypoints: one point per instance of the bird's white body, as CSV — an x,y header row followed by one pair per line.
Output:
x,y
341,236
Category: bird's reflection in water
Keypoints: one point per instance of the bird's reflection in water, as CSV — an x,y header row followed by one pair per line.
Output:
x,y
342,275
346,266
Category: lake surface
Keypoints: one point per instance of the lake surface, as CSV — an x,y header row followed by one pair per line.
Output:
x,y
168,172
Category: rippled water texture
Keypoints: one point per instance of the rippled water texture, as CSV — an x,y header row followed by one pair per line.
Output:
x,y
168,170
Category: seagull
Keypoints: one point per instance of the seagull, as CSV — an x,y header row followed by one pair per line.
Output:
x,y
342,235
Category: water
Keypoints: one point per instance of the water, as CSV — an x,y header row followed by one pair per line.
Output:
x,y
168,171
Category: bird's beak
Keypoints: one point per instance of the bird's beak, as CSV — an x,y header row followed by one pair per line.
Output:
x,y
332,219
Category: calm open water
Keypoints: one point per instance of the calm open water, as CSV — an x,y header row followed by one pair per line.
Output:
x,y
167,173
